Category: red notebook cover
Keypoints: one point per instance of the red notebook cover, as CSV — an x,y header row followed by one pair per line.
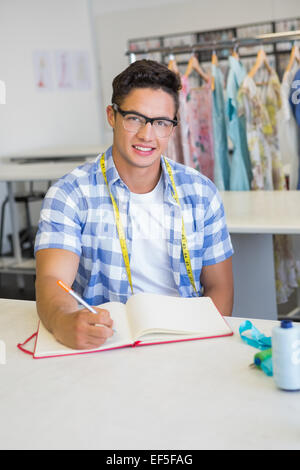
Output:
x,y
165,319
77,352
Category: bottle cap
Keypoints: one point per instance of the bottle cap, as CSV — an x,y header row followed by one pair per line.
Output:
x,y
286,324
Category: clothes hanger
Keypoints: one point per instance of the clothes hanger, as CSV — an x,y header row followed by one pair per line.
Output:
x,y
215,62
214,58
294,57
235,53
193,64
172,65
261,60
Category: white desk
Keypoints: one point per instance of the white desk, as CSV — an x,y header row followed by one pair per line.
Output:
x,y
262,212
39,168
50,153
192,395
253,217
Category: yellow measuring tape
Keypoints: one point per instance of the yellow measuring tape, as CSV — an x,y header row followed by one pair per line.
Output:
x,y
119,225
184,244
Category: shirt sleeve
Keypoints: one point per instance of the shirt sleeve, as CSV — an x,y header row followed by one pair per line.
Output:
x,y
217,242
59,225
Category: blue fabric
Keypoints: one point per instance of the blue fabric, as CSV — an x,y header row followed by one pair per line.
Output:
x,y
240,173
221,164
295,104
77,215
295,97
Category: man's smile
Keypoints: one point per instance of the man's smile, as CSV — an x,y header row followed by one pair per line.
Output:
x,y
143,150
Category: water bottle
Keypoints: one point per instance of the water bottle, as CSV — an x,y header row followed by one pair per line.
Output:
x,y
286,355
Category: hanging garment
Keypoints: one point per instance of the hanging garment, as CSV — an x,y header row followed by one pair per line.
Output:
x,y
184,127
174,150
260,107
294,99
287,266
295,96
221,163
178,146
199,105
240,169
286,258
273,105
288,132
295,104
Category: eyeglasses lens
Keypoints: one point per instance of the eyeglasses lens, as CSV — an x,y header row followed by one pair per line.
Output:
x,y
133,123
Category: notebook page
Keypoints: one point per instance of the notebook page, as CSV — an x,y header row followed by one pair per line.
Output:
x,y
174,315
47,345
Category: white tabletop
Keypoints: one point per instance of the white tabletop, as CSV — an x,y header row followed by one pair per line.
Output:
x,y
47,171
13,168
262,211
58,152
191,395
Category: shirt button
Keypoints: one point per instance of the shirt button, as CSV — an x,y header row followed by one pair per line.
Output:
x,y
124,276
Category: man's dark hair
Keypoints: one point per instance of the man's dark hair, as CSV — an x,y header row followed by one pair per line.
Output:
x,y
146,74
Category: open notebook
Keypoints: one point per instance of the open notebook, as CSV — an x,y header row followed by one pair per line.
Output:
x,y
148,319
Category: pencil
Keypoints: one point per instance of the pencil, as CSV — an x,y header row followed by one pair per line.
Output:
x,y
79,299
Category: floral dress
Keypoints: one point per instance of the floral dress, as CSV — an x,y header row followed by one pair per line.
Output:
x,y
200,129
174,149
184,124
178,142
261,107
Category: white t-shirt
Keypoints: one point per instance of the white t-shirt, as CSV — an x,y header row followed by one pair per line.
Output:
x,y
150,263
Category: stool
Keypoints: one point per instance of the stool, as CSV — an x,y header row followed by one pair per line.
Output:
x,y
26,199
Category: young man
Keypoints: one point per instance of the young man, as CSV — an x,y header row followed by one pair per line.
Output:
x,y
132,220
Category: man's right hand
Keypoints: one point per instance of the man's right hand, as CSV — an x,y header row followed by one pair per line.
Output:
x,y
83,329
58,310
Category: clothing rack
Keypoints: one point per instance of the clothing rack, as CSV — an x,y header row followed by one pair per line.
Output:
x,y
235,43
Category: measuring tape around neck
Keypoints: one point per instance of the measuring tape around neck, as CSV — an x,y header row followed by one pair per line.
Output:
x,y
184,243
121,233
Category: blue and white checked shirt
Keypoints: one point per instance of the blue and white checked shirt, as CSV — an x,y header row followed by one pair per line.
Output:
x,y
77,215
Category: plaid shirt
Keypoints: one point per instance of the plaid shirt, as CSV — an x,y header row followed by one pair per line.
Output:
x,y
77,215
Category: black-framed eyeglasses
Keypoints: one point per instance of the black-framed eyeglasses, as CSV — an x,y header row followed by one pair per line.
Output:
x,y
134,121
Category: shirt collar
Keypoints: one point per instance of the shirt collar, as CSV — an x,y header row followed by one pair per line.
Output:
x,y
113,175
167,180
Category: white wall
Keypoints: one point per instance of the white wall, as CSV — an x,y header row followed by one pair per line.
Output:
x,y
30,118
135,18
